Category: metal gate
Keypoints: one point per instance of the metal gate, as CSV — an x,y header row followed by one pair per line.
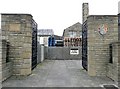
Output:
x,y
119,26
84,45
34,44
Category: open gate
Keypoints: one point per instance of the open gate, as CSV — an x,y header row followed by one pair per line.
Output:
x,y
119,26
34,44
84,45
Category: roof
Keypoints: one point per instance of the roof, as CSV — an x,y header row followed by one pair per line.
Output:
x,y
57,37
45,32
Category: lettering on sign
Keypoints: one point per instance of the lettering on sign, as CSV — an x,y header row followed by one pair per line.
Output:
x,y
74,51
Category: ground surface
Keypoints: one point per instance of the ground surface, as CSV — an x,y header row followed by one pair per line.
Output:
x,y
58,73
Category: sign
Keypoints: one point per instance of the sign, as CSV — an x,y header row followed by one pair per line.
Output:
x,y
103,28
74,51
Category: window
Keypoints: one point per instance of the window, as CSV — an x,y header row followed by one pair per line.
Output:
x,y
111,59
7,53
80,34
72,34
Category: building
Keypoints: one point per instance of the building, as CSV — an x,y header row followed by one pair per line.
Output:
x,y
55,40
19,44
73,35
100,45
43,35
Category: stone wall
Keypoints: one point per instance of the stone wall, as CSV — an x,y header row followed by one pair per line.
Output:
x,y
102,30
6,63
113,68
17,29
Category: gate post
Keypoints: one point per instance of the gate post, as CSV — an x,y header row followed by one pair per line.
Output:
x,y
42,53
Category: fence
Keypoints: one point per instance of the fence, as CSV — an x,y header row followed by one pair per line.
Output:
x,y
66,53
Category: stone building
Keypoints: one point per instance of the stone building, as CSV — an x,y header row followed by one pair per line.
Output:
x,y
20,30
72,35
100,45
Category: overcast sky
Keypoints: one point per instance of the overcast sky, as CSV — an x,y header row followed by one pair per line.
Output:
x,y
58,14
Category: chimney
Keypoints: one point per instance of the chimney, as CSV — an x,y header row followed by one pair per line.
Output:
x,y
85,12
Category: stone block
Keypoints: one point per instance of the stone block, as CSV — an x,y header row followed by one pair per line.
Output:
x,y
14,27
28,39
91,71
25,66
26,55
27,61
25,71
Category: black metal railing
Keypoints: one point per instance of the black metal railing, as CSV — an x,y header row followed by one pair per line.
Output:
x,y
34,44
84,45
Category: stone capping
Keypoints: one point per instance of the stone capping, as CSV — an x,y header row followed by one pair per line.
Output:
x,y
16,14
114,43
102,16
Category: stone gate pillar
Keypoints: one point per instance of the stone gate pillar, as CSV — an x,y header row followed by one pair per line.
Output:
x,y
18,30
102,30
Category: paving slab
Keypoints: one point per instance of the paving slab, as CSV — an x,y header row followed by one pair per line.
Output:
x,y
58,73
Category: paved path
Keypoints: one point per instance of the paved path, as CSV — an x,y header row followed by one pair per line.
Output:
x,y
58,73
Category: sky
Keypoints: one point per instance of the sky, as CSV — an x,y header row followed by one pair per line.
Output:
x,y
58,14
